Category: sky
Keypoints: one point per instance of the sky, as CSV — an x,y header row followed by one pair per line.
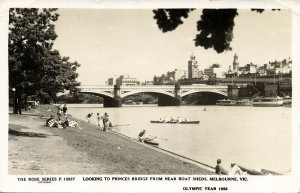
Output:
x,y
112,42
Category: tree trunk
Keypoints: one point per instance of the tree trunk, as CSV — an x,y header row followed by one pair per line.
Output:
x,y
15,111
19,103
25,103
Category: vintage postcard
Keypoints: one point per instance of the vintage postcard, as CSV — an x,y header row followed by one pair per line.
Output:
x,y
135,96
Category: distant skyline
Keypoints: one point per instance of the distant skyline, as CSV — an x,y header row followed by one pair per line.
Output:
x,y
108,42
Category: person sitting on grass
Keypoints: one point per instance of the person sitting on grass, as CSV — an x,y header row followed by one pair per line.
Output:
x,y
142,136
219,169
51,122
70,123
236,170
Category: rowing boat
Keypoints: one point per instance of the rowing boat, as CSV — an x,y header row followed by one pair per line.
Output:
x,y
182,122
151,142
250,171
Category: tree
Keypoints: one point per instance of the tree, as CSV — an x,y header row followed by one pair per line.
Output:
x,y
58,75
34,67
215,26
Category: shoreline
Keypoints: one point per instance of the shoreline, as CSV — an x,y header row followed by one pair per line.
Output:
x,y
86,151
157,148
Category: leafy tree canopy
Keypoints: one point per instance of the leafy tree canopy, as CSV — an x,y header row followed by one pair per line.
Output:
x,y
34,67
215,27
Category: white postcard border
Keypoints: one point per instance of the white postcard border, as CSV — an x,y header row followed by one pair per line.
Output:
x,y
10,183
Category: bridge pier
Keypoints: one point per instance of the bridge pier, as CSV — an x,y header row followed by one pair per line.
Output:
x,y
116,101
233,92
241,91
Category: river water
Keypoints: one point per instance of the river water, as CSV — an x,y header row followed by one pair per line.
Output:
x,y
254,137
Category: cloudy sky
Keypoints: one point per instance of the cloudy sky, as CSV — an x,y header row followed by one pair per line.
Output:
x,y
109,42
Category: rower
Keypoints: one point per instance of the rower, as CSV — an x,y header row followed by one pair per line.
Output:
x,y
142,136
179,120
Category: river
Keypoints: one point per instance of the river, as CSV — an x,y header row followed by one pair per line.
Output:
x,y
254,137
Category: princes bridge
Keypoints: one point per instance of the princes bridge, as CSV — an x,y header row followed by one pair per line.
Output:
x,y
168,95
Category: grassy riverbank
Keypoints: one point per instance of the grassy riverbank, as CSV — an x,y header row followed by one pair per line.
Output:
x,y
37,149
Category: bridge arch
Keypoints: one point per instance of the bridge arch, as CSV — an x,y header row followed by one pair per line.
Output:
x,y
204,91
155,93
164,98
101,94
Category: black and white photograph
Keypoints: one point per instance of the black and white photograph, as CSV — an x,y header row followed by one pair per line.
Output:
x,y
139,98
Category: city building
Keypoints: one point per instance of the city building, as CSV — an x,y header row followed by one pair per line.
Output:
x,y
271,68
126,80
148,82
261,71
248,69
175,76
280,67
211,72
180,74
235,67
283,70
193,71
112,80
170,77
235,63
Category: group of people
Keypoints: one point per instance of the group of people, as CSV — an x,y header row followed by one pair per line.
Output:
x,y
178,120
102,121
59,122
61,110
52,122
63,121
234,169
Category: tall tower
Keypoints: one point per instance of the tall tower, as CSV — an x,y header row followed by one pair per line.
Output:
x,y
192,67
235,63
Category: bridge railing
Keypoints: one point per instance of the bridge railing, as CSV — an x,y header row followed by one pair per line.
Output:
x,y
96,86
168,88
204,86
154,86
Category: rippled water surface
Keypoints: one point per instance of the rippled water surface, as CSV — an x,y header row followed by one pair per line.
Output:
x,y
255,137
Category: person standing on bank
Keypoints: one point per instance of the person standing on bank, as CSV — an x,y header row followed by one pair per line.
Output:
x,y
88,117
59,112
105,121
64,109
99,118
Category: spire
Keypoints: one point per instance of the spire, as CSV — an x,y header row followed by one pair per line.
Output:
x,y
193,56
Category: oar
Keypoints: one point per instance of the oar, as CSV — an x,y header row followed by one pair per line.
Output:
x,y
120,125
159,138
